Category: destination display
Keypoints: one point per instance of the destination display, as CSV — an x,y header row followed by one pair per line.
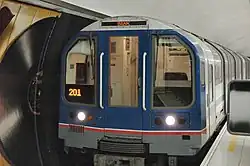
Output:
x,y
123,23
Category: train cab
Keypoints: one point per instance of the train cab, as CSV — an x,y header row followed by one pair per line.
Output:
x,y
136,85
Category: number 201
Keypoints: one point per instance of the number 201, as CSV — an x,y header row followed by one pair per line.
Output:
x,y
74,92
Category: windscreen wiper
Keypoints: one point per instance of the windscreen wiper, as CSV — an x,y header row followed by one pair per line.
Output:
x,y
156,58
92,48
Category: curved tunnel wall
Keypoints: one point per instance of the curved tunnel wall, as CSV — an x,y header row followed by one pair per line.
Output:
x,y
16,69
66,27
24,16
32,33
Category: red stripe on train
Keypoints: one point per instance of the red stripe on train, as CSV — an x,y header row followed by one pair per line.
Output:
x,y
137,132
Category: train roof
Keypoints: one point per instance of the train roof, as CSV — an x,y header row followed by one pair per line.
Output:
x,y
145,23
129,23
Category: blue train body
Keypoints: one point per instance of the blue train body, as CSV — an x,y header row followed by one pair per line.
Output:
x,y
193,113
140,127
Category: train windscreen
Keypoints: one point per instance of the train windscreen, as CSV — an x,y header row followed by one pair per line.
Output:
x,y
172,73
80,72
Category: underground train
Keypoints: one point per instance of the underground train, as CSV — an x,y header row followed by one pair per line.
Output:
x,y
139,86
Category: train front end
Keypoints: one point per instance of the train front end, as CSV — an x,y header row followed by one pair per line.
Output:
x,y
129,86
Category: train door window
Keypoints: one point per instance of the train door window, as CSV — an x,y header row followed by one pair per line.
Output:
x,y
217,67
243,67
233,66
216,73
202,72
218,70
225,56
226,68
233,63
239,67
228,71
80,72
230,63
172,74
218,63
247,71
247,68
123,68
211,75
238,64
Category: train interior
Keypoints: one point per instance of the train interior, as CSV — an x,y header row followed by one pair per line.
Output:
x,y
123,68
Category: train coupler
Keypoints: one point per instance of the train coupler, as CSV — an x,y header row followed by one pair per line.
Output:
x,y
110,160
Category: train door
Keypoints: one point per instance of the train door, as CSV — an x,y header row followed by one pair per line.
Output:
x,y
122,71
207,90
211,97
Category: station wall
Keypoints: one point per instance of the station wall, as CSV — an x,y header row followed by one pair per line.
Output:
x,y
24,15
15,18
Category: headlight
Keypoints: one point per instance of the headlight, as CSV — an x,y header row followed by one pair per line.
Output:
x,y
81,116
170,120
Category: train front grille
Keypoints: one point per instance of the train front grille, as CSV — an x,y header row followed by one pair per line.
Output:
x,y
126,146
